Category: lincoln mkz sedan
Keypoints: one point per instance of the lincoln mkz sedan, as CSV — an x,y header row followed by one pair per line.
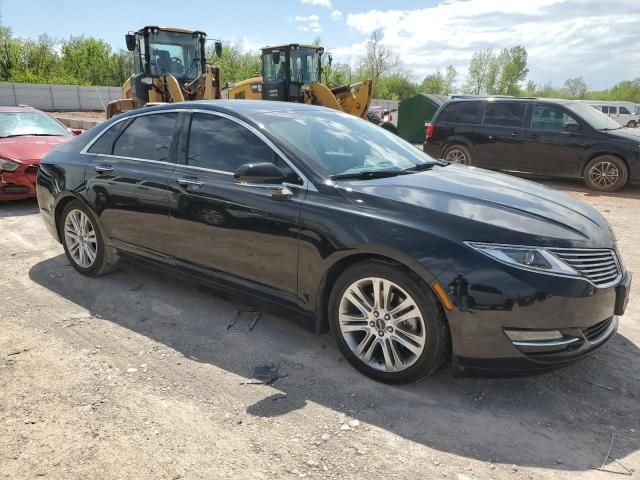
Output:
x,y
407,260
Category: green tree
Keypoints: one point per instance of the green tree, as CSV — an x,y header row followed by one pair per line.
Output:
x,y
379,59
235,63
87,59
478,70
575,88
396,87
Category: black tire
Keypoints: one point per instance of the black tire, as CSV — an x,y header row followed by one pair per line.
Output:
x,y
606,173
632,124
436,331
457,154
105,258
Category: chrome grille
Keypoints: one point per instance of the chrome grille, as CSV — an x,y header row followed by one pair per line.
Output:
x,y
598,265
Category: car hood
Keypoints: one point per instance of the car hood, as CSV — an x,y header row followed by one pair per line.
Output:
x,y
479,205
626,133
29,149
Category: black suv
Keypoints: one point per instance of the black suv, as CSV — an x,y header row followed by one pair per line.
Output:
x,y
552,138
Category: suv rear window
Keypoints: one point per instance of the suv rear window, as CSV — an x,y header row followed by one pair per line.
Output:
x,y
461,112
505,114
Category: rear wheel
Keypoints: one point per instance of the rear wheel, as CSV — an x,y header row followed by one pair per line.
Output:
x,y
83,242
606,173
457,154
387,323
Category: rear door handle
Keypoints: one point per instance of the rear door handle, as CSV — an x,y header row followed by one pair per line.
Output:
x,y
104,168
190,182
515,134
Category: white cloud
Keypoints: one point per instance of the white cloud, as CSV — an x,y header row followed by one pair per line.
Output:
x,y
310,18
309,23
564,38
336,14
321,3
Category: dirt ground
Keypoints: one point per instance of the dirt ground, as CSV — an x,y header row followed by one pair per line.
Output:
x,y
135,375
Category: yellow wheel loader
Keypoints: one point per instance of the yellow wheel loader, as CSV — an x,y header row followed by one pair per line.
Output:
x,y
170,66
293,73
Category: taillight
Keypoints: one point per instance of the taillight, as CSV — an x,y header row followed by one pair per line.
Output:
x,y
430,128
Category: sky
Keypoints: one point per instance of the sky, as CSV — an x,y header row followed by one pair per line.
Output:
x,y
598,40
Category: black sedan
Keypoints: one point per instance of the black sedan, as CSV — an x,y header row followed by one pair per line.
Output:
x,y
408,260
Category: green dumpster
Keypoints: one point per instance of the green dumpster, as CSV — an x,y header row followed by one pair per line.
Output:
x,y
414,112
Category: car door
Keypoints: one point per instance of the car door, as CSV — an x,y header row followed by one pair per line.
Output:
x,y
554,142
127,181
246,234
498,140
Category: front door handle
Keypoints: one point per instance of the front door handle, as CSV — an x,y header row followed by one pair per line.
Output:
x,y
190,182
515,134
104,168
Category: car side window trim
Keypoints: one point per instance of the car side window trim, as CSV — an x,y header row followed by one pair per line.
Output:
x,y
306,184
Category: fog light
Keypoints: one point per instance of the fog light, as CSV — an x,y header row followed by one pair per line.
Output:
x,y
533,335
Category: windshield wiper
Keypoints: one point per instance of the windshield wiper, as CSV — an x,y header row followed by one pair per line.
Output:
x,y
421,167
367,174
33,135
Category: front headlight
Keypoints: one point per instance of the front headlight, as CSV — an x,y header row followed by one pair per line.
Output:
x,y
530,258
8,165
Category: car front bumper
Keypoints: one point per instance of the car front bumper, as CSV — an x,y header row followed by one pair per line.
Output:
x,y
18,185
491,303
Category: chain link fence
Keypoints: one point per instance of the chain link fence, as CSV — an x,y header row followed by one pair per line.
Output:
x,y
57,97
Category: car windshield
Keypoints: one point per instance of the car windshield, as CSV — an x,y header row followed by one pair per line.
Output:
x,y
595,118
338,144
13,124
175,53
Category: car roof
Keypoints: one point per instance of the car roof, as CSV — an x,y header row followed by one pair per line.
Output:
x,y
511,99
241,107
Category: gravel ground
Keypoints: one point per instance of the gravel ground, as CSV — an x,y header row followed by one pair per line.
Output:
x,y
135,375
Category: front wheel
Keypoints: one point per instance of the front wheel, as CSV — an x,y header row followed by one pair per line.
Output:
x,y
83,242
387,323
632,124
606,174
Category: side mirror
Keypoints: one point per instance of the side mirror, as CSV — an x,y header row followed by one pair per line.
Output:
x,y
264,173
275,57
330,59
218,48
131,41
572,127
75,131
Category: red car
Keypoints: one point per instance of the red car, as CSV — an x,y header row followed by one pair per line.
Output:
x,y
26,135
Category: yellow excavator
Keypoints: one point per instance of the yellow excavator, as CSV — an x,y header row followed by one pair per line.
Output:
x,y
170,66
293,73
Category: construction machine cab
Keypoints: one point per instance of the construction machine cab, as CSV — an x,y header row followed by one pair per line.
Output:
x,y
170,66
286,68
158,52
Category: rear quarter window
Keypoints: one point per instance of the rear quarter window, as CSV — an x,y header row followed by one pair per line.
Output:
x,y
461,112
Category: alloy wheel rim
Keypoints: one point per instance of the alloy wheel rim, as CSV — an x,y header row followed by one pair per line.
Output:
x,y
456,156
80,238
604,174
382,324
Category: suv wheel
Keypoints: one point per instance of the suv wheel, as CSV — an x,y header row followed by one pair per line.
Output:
x,y
457,154
606,173
83,242
632,124
387,323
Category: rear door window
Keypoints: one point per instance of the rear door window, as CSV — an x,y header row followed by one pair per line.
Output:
x,y
505,114
104,144
461,112
148,137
